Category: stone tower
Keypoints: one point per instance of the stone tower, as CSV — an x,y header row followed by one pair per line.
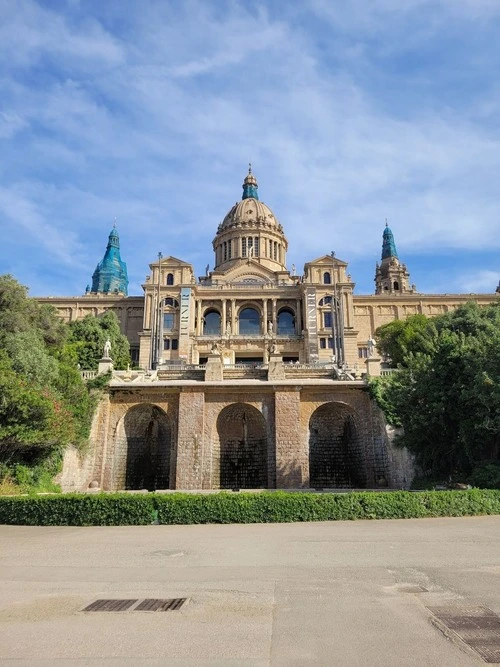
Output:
x,y
110,275
391,277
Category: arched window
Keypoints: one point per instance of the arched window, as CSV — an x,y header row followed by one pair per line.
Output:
x,y
170,279
396,286
249,321
171,302
325,301
286,322
327,278
211,323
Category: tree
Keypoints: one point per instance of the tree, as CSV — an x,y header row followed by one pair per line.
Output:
x,y
447,398
30,419
44,403
88,336
397,339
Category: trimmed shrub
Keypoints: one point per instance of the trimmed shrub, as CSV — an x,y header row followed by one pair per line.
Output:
x,y
75,509
121,509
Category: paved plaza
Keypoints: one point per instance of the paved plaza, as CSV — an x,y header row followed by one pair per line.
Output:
x,y
340,593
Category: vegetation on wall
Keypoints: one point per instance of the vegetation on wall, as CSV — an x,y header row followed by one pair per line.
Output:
x,y
44,403
446,395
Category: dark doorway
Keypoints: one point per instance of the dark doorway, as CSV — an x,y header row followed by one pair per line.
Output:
x,y
148,442
336,456
243,447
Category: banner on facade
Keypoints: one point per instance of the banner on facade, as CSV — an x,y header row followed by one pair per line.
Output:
x,y
185,313
312,325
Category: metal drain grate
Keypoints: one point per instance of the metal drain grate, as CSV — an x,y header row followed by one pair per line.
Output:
x,y
479,627
110,605
161,605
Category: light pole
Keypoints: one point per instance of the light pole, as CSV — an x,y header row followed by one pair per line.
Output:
x,y
155,324
337,318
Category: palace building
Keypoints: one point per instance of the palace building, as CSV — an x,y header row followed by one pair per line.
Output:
x,y
252,375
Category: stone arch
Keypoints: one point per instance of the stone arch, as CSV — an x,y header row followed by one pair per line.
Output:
x,y
242,436
286,321
212,322
336,452
147,432
249,320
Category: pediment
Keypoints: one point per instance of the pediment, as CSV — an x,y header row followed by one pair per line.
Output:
x,y
326,260
249,272
170,261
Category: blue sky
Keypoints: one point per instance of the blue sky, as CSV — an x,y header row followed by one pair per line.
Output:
x,y
350,112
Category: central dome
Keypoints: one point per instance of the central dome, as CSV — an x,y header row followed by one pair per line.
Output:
x,y
250,211
250,230
247,212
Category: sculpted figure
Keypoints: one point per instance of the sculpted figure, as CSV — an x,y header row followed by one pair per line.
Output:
x,y
107,349
371,347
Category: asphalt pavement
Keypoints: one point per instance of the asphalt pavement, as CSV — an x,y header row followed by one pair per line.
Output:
x,y
334,593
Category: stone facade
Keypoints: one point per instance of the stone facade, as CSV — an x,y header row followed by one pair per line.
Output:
x,y
251,374
232,435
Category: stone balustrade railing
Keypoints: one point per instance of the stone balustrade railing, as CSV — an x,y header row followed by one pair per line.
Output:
x,y
255,370
88,375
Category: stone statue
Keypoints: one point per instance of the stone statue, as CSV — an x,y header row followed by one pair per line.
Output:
x,y
293,269
228,329
107,349
207,269
270,327
371,347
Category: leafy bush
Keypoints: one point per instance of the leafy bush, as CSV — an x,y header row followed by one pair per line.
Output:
x,y
267,507
486,476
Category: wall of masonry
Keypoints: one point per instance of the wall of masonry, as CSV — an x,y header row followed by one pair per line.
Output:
x,y
201,433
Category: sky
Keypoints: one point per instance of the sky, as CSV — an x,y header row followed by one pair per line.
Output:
x,y
350,113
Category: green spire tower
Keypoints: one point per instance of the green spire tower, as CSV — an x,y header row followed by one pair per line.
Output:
x,y
110,275
391,277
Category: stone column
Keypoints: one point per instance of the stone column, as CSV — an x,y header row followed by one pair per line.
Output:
x,y
223,320
292,455
275,321
298,318
190,439
233,317
264,314
198,317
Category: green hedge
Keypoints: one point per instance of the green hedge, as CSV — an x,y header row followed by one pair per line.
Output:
x,y
126,509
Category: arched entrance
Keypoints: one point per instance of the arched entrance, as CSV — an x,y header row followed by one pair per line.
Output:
x,y
336,454
243,447
148,445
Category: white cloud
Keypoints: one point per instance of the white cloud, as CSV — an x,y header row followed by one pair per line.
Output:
x,y
484,280
155,124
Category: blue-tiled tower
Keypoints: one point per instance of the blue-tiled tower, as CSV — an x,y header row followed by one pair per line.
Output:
x,y
388,244
391,277
110,276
